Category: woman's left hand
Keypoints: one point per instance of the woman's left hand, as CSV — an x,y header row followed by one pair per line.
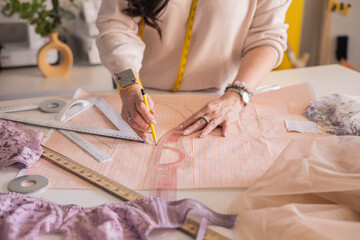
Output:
x,y
222,112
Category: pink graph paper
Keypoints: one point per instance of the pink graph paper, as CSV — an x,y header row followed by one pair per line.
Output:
x,y
212,162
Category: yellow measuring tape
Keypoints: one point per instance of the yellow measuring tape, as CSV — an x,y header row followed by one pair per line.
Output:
x,y
186,45
190,226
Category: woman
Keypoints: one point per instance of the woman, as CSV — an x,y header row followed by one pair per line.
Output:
x,y
232,41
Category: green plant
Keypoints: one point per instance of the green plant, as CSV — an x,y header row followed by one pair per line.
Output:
x,y
35,12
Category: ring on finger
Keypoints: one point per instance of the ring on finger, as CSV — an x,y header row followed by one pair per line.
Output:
x,y
207,120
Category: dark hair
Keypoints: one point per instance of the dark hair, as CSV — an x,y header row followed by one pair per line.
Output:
x,y
149,9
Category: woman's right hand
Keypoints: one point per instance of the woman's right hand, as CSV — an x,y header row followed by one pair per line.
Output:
x,y
134,110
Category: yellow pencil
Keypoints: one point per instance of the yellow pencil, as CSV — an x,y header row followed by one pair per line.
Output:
x,y
147,106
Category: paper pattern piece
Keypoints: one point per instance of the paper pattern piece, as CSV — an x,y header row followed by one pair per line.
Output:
x,y
302,126
211,162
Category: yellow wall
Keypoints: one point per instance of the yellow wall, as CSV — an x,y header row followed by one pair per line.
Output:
x,y
294,19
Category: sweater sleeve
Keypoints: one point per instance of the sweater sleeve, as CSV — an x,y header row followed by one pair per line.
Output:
x,y
119,46
268,27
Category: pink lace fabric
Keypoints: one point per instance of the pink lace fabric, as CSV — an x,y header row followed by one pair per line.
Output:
x,y
337,114
19,146
25,217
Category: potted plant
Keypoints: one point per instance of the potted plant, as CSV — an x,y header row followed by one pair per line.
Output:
x,y
47,23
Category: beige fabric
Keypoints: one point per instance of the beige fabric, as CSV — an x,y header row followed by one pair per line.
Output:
x,y
224,30
312,191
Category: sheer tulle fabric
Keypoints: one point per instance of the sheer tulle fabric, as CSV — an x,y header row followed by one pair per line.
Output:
x,y
312,191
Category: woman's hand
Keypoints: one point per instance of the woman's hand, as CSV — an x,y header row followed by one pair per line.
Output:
x,y
134,110
223,112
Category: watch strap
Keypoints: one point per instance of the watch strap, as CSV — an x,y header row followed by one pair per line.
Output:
x,y
125,80
241,88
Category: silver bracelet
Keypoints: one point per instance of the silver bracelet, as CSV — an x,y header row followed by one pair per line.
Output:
x,y
242,89
240,85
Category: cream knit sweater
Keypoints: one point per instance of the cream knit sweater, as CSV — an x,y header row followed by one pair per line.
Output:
x,y
223,31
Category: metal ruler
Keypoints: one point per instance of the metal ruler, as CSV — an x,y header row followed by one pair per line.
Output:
x,y
86,146
69,126
190,227
67,109
48,106
20,107
113,115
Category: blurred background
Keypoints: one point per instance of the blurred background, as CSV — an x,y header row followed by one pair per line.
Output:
x,y
320,32
326,30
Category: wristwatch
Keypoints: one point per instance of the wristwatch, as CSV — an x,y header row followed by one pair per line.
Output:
x,y
245,97
242,89
125,79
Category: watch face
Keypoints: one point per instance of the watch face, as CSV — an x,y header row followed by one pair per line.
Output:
x,y
125,78
245,97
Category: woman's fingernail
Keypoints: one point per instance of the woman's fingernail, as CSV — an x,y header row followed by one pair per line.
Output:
x,y
186,132
152,112
153,121
202,134
180,127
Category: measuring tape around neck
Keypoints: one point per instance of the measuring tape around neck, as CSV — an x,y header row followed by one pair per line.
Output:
x,y
186,45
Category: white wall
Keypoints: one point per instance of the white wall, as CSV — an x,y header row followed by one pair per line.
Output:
x,y
311,30
346,25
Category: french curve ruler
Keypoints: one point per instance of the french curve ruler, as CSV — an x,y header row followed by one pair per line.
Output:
x,y
69,126
163,176
190,227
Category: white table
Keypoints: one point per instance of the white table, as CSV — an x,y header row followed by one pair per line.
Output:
x,y
324,79
28,82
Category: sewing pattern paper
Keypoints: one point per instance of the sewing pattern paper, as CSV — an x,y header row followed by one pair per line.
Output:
x,y
211,162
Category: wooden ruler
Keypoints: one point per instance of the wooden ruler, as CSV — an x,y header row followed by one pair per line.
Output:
x,y
190,227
